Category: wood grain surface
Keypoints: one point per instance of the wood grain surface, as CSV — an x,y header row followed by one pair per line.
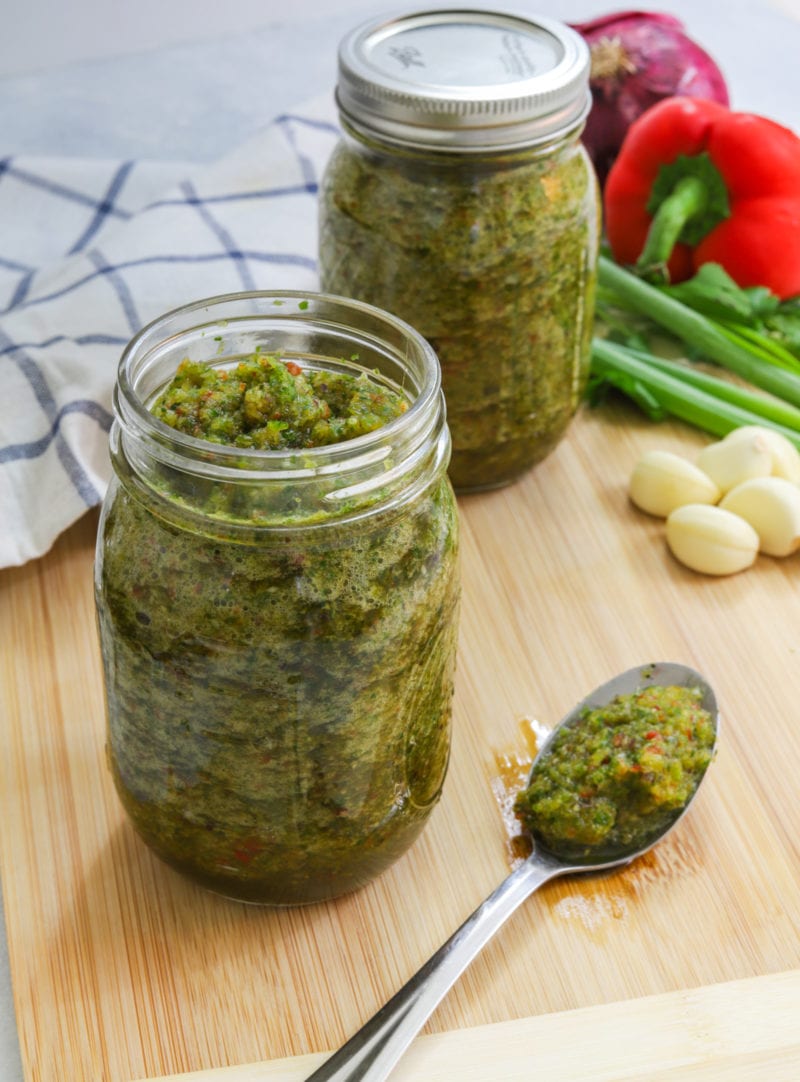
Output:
x,y
122,970
739,1031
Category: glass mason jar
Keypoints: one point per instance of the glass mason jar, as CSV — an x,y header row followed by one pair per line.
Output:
x,y
278,628
461,199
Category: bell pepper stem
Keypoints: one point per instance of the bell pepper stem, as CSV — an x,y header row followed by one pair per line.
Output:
x,y
688,200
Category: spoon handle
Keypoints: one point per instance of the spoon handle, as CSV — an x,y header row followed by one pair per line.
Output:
x,y
372,1052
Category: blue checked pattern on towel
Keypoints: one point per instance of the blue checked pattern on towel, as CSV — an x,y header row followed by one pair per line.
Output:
x,y
90,251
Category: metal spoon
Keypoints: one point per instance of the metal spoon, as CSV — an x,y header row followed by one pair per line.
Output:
x,y
372,1053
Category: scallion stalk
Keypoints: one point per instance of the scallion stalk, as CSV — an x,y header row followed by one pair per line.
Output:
x,y
770,408
698,331
679,397
754,341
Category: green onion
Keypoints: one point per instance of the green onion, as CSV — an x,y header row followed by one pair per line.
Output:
x,y
768,407
770,351
728,348
662,385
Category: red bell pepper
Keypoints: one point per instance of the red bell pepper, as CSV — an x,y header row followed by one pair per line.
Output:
x,y
697,183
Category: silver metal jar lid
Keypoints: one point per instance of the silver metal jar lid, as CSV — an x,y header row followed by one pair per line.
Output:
x,y
464,79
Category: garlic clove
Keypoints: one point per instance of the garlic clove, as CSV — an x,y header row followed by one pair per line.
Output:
x,y
729,462
662,481
785,456
711,539
772,507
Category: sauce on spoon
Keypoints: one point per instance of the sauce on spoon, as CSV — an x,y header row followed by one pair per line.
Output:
x,y
613,778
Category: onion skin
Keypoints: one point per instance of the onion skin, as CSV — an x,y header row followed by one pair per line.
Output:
x,y
639,58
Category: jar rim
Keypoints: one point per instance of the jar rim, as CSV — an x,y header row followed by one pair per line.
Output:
x,y
277,308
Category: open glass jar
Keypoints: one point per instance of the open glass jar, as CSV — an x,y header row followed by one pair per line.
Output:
x,y
279,627
461,199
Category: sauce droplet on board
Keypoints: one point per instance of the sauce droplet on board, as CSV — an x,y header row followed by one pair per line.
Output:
x,y
513,768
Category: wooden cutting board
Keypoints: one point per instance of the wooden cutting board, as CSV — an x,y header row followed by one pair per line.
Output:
x,y
122,970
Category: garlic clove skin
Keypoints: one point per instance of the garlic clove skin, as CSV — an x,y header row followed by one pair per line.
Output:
x,y
730,462
785,456
711,540
772,507
662,481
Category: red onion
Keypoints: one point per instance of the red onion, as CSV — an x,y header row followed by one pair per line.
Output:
x,y
638,58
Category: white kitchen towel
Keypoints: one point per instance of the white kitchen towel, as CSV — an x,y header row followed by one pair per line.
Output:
x,y
92,251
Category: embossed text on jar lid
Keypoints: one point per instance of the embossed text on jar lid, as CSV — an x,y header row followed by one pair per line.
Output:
x,y
464,79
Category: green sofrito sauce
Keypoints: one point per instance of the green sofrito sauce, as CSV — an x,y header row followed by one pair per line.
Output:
x,y
266,403
278,698
615,777
492,257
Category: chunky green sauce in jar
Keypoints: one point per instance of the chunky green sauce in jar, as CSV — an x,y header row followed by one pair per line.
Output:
x,y
615,777
475,219
267,403
279,626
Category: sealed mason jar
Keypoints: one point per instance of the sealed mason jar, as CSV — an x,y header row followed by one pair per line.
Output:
x,y
278,626
461,199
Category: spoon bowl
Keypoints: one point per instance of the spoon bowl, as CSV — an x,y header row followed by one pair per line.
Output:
x,y
372,1053
657,674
